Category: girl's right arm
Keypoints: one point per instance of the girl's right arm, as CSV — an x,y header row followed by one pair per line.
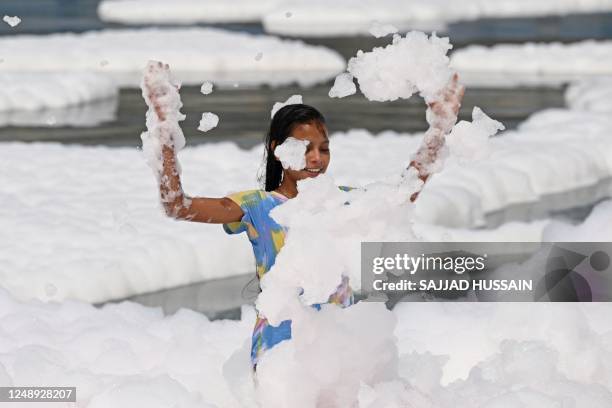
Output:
x,y
163,117
197,209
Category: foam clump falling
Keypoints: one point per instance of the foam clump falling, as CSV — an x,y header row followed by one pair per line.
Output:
x,y
292,100
292,152
13,21
343,86
414,63
206,88
209,121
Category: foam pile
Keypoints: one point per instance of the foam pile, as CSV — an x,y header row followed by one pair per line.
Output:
x,y
550,64
220,56
497,354
51,99
291,153
319,18
183,11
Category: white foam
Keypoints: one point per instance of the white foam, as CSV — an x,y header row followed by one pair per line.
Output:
x,y
184,11
320,18
343,86
126,354
292,153
292,100
121,244
548,64
593,95
414,63
206,88
35,98
12,21
338,18
209,121
379,30
196,55
160,92
470,140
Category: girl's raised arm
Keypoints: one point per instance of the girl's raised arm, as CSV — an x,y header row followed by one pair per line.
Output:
x,y
161,139
441,116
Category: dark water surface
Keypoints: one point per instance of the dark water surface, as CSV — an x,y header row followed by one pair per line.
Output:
x,y
245,114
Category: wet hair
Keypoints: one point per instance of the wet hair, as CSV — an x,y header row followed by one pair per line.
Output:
x,y
283,122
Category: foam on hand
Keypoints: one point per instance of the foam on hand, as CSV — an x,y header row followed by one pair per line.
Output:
x,y
161,95
292,153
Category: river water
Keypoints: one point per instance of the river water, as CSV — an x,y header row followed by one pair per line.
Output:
x,y
245,114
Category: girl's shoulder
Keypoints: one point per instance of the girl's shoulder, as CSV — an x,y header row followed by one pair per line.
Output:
x,y
252,197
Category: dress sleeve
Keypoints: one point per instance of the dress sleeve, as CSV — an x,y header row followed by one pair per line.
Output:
x,y
245,200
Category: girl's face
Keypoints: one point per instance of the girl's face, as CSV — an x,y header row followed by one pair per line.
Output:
x,y
317,152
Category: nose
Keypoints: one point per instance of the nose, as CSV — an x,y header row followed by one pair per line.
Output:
x,y
314,157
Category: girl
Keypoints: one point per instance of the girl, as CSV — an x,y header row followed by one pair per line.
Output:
x,y
248,211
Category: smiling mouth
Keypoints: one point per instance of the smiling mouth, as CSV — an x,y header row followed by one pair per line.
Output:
x,y
313,171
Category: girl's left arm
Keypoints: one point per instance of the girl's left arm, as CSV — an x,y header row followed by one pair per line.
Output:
x,y
442,116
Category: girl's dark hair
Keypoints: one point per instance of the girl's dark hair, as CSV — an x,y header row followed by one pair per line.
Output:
x,y
281,126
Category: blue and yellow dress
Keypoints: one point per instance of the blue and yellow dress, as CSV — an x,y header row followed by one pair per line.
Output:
x,y
267,238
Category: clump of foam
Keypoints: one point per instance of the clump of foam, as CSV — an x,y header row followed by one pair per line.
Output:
x,y
378,29
343,86
414,63
209,121
469,140
292,153
206,88
12,21
293,100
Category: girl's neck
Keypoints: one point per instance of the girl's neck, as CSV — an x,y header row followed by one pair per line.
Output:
x,y
287,189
